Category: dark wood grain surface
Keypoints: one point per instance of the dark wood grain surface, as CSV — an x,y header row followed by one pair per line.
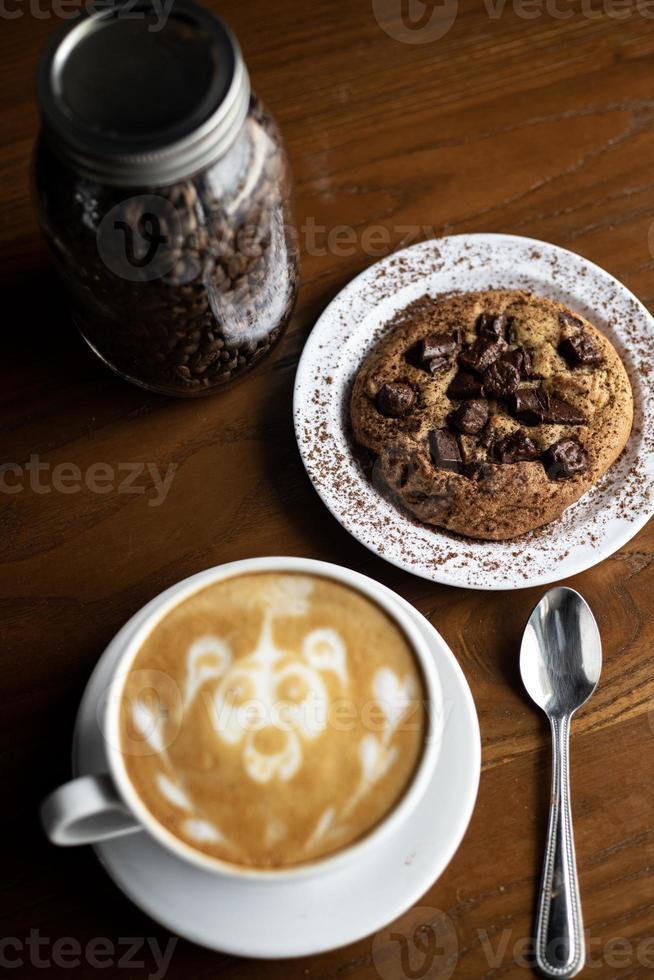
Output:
x,y
519,119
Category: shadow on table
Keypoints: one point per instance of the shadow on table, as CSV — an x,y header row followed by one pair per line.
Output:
x,y
45,356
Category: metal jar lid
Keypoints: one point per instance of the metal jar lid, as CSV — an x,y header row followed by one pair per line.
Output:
x,y
143,94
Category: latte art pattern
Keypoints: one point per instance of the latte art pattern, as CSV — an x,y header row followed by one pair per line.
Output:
x,y
298,722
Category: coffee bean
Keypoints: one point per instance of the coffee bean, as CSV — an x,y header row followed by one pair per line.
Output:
x,y
236,266
219,278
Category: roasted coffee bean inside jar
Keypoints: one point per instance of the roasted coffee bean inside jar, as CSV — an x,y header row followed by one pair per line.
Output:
x,y
165,198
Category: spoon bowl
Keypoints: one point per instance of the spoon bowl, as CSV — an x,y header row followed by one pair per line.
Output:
x,y
561,653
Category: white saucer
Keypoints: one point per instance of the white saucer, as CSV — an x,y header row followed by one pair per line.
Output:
x,y
592,529
278,920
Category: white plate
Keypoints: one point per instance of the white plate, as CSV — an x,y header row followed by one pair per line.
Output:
x,y
284,919
589,531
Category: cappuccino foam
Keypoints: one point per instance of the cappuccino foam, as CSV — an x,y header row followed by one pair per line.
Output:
x,y
272,719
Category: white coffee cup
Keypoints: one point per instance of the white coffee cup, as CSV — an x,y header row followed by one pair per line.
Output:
x,y
95,808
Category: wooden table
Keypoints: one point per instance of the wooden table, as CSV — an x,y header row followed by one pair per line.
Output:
x,y
539,125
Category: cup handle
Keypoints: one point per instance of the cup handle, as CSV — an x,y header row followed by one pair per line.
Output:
x,y
85,810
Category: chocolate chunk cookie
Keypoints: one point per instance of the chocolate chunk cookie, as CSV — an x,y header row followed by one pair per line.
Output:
x,y
491,412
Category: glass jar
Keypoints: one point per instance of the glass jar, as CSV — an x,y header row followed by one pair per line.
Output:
x,y
162,189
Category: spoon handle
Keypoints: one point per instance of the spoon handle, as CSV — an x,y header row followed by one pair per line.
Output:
x,y
560,947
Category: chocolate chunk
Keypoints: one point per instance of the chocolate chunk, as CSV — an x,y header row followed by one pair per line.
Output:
x,y
563,413
565,459
580,349
470,417
444,450
533,406
395,399
494,326
500,380
434,352
465,385
517,447
529,405
480,355
520,358
438,345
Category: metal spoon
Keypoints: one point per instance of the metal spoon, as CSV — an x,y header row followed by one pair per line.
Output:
x,y
560,663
